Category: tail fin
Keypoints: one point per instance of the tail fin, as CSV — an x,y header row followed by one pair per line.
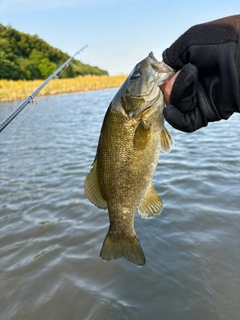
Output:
x,y
129,248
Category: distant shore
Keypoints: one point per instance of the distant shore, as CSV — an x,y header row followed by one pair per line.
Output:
x,y
19,90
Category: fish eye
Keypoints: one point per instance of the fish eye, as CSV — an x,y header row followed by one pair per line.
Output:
x,y
137,74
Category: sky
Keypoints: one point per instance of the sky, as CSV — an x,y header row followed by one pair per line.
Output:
x,y
119,33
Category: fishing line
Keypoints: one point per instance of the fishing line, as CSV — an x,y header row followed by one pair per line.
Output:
x,y
33,103
30,99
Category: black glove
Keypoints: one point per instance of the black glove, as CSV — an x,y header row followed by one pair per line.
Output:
x,y
207,88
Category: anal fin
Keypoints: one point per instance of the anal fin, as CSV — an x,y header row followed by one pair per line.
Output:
x,y
151,203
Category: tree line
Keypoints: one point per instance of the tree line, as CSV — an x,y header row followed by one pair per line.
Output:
x,y
23,56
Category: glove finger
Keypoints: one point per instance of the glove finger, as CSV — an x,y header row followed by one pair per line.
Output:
x,y
183,94
191,46
188,122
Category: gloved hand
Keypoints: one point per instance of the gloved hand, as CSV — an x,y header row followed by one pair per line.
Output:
x,y
207,87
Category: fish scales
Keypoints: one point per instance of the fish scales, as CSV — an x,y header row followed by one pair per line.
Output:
x,y
122,182
127,155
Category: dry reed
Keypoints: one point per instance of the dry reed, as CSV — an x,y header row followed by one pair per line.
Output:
x,y
21,89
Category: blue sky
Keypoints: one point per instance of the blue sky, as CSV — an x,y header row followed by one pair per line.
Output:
x,y
119,33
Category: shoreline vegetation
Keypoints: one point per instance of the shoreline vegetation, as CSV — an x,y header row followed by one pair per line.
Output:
x,y
25,56
12,90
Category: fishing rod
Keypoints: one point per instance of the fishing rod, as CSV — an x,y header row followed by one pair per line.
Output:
x,y
30,98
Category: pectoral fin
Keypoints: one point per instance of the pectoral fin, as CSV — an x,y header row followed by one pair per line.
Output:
x,y
92,190
151,204
166,140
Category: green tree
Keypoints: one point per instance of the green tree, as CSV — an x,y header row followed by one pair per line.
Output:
x,y
46,68
23,56
29,69
10,71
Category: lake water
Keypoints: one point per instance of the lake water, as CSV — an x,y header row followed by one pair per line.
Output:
x,y
51,235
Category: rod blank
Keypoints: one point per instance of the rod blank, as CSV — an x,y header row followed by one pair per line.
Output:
x,y
30,98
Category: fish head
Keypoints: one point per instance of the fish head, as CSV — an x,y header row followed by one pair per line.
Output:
x,y
141,89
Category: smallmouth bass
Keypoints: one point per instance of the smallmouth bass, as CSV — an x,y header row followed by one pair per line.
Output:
x,y
128,150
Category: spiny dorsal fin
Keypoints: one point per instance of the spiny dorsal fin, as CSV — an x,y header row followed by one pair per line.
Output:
x,y
151,203
92,190
166,140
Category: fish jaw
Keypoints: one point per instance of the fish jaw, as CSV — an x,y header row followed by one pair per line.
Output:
x,y
164,71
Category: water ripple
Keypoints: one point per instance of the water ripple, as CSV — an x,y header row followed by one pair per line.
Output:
x,y
51,235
